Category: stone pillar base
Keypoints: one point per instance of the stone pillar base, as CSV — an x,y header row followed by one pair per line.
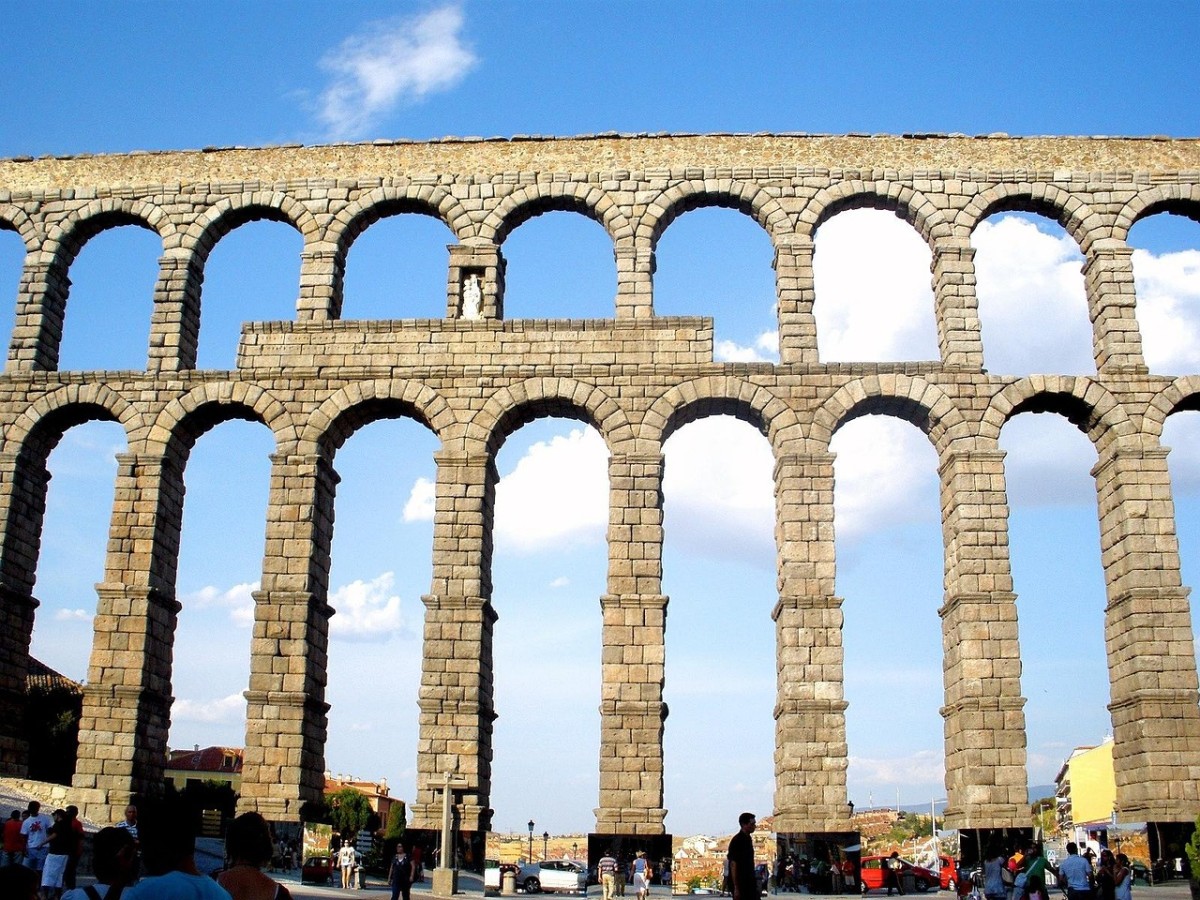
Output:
x,y
445,882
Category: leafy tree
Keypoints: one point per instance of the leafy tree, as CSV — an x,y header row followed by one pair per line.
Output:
x,y
396,821
349,810
1045,814
1192,848
52,726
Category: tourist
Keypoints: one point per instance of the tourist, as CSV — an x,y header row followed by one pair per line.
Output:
x,y
607,867
1106,876
114,857
346,860
14,841
248,848
1123,878
36,831
400,874
622,875
894,868
993,874
1034,871
59,847
130,824
641,876
76,847
169,850
1076,871
742,880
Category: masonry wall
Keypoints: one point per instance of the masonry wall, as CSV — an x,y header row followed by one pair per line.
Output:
x,y
474,376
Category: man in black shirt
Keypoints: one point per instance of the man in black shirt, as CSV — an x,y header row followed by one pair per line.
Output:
x,y
741,860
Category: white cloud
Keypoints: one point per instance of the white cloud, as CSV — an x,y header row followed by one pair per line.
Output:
x,y
922,767
560,582
72,615
1168,309
391,63
556,494
874,299
421,500
718,490
238,600
883,469
366,610
222,711
764,349
1032,304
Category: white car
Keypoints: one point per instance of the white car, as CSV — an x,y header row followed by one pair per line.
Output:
x,y
559,875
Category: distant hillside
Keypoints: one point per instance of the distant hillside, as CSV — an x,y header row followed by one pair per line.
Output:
x,y
1036,792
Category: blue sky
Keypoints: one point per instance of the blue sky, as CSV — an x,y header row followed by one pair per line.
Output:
x,y
114,77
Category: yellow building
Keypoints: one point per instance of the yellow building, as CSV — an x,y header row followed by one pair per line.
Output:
x,y
1087,791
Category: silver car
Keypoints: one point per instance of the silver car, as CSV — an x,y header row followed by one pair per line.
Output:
x,y
557,875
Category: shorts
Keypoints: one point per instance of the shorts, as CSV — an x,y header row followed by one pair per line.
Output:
x,y
52,872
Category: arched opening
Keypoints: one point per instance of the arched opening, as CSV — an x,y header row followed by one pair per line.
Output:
x,y
381,567
12,264
559,265
1033,308
1166,273
890,566
873,295
717,262
719,573
1054,542
396,269
220,566
79,503
252,275
107,322
549,571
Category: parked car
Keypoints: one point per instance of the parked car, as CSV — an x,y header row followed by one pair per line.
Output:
x,y
557,875
948,876
874,871
493,874
317,870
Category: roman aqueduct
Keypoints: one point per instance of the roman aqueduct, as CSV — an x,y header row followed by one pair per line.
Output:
x,y
473,377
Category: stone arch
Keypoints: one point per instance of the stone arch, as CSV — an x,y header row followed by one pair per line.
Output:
x,y
910,398
910,205
531,201
66,238
1181,395
14,218
427,199
1085,403
344,412
518,404
685,196
1072,213
721,395
41,426
222,217
1180,199
185,419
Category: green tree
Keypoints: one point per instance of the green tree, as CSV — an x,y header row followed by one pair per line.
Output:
x,y
1192,848
349,810
1045,815
396,822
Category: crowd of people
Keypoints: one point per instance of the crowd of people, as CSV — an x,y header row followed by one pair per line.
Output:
x,y
1027,874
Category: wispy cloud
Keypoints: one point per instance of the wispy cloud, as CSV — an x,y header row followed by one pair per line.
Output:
x,y
224,710
238,600
391,63
72,615
366,610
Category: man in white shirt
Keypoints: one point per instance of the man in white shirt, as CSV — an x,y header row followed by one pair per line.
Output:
x,y
36,830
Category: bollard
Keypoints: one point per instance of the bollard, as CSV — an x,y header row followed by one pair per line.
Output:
x,y
508,883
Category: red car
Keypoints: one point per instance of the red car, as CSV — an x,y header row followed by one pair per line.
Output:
x,y
874,872
948,873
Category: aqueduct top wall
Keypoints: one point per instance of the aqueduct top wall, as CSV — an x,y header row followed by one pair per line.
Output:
x,y
473,376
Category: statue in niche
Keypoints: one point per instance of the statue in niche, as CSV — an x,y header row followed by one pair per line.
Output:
x,y
472,298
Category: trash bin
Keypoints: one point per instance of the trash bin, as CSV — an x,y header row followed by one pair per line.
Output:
x,y
508,882
909,880
362,876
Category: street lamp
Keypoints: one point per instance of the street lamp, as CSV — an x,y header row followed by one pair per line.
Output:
x,y
575,850
531,840
545,844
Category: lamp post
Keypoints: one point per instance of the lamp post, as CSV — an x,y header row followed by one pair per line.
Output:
x,y
575,850
545,845
531,840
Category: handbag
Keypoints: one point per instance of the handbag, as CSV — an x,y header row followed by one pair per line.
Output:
x,y
1020,881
